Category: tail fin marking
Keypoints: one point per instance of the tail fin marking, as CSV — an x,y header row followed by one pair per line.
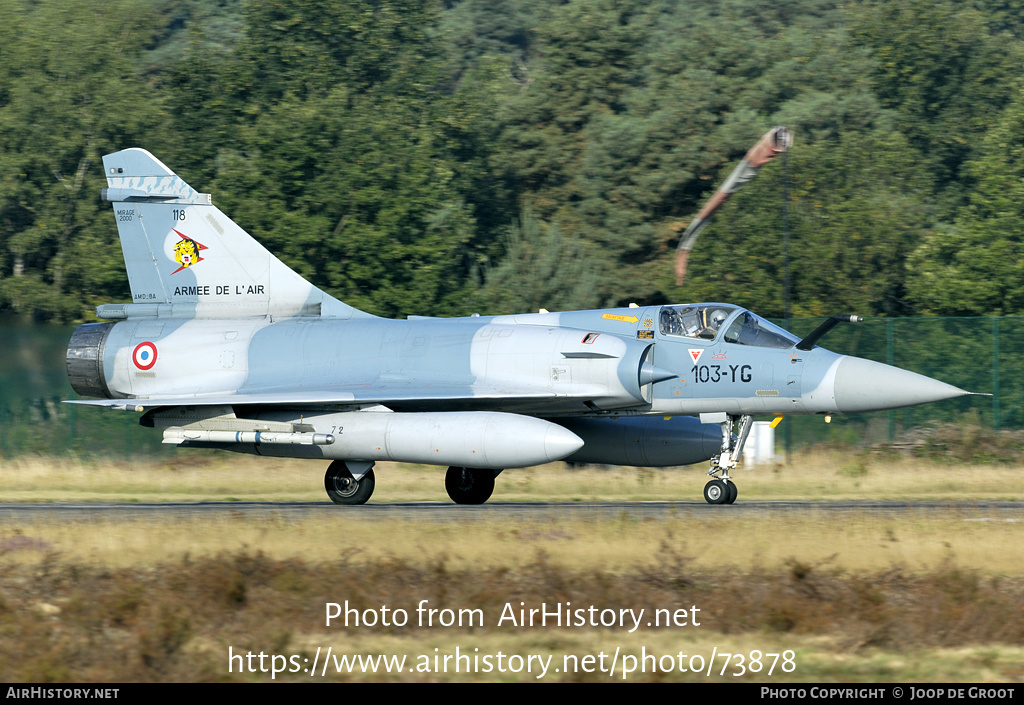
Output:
x,y
180,249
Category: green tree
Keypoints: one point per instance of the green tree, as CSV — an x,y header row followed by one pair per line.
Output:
x,y
945,74
976,266
350,160
857,208
542,269
633,114
70,94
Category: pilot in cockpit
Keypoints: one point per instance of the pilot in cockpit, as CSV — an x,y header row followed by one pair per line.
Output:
x,y
713,321
692,321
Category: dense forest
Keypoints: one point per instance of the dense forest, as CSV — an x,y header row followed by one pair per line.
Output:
x,y
416,156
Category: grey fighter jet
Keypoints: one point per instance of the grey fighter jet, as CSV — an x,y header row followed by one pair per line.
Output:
x,y
224,346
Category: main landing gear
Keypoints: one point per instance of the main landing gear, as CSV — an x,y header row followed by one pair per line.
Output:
x,y
343,487
351,482
721,489
469,485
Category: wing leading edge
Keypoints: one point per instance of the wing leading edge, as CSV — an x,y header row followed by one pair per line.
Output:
x,y
388,396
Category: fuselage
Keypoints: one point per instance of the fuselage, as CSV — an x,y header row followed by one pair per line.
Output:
x,y
633,361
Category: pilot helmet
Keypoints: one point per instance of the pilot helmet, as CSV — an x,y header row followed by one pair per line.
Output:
x,y
717,318
669,321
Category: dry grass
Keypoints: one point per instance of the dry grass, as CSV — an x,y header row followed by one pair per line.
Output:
x,y
850,541
69,622
857,596
189,476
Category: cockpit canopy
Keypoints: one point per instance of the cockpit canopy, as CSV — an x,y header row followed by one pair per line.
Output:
x,y
707,321
698,321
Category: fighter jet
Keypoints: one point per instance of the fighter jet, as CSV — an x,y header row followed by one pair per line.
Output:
x,y
224,346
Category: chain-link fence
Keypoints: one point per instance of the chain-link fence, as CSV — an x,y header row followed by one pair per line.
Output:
x,y
33,385
980,354
976,354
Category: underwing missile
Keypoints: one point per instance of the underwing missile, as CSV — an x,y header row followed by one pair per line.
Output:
x,y
178,435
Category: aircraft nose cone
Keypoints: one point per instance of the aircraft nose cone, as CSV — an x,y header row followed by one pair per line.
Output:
x,y
863,385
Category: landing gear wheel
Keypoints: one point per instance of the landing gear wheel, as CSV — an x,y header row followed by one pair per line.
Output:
x,y
716,492
469,485
342,488
733,491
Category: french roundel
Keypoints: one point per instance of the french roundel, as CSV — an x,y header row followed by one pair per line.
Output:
x,y
144,355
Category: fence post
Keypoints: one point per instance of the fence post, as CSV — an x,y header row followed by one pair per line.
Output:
x,y
995,372
890,358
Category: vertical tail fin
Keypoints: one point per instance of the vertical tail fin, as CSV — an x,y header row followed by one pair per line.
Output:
x,y
180,249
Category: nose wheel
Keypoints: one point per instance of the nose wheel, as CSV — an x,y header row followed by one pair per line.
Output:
x,y
720,492
721,489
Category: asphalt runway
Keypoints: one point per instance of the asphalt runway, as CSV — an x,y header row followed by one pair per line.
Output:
x,y
448,512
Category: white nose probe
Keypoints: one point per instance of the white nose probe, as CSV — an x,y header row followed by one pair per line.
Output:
x,y
854,385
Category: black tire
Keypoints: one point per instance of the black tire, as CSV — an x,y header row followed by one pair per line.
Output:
x,y
469,485
733,491
342,488
716,492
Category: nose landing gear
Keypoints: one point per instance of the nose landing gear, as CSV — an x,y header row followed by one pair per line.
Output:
x,y
722,490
